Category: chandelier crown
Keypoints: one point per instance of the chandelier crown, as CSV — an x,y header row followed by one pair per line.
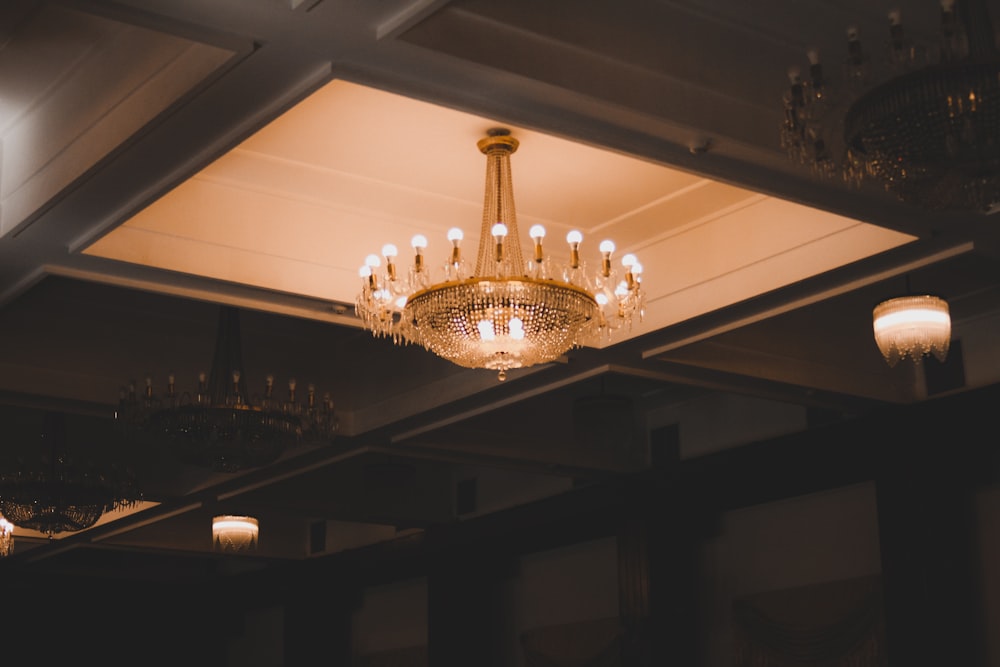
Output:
x,y
507,312
921,122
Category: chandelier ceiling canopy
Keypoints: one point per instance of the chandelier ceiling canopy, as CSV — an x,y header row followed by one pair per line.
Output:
x,y
507,312
920,120
219,424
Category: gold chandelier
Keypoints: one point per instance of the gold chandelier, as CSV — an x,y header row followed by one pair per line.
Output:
x,y
912,326
508,313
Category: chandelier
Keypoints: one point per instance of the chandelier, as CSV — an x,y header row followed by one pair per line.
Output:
x,y
6,537
231,533
507,313
63,491
921,121
912,326
219,424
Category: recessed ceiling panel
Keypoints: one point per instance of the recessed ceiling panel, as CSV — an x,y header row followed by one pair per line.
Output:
x,y
296,207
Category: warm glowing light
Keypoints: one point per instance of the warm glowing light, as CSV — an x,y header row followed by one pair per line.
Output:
x,y
6,537
234,533
486,330
912,326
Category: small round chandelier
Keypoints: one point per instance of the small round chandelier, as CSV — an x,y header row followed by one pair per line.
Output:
x,y
233,533
507,313
921,122
912,326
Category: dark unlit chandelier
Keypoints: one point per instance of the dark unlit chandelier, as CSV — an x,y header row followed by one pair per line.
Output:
x,y
219,424
60,488
921,121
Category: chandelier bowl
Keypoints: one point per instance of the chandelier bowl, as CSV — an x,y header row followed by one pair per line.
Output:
x,y
500,324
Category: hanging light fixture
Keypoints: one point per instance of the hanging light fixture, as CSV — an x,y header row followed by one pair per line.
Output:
x,y
233,533
6,537
921,122
912,326
220,425
58,490
506,313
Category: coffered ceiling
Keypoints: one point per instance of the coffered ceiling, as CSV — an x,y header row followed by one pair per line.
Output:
x,y
163,158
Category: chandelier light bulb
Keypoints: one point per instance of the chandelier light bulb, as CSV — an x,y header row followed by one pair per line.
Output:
x,y
516,328
373,261
629,260
455,235
486,330
537,233
574,238
419,243
389,251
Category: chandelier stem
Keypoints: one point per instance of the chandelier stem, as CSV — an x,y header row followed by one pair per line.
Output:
x,y
975,17
227,362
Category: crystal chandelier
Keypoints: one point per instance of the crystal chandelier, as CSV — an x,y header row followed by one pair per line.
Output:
x,y
220,425
507,313
232,533
6,537
63,491
921,122
912,326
